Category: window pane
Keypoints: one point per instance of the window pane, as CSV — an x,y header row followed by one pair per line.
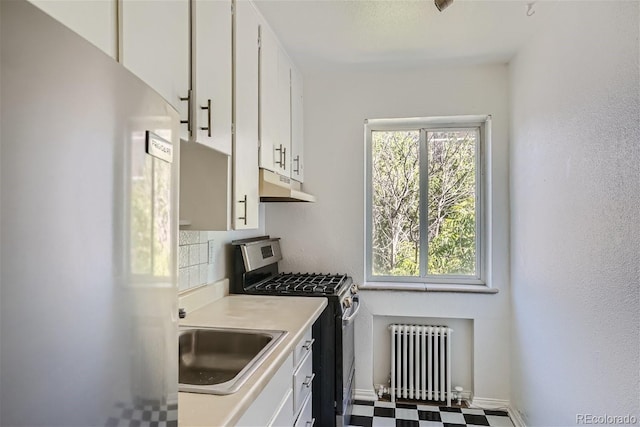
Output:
x,y
395,214
452,202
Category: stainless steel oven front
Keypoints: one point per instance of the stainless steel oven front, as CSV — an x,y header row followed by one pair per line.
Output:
x,y
350,308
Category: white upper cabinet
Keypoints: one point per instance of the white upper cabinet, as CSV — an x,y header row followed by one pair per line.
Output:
x,y
269,157
155,47
212,72
276,106
284,114
246,198
94,20
297,128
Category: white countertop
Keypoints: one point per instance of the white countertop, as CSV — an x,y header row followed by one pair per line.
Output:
x,y
292,314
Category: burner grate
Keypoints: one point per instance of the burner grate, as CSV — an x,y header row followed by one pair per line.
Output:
x,y
303,283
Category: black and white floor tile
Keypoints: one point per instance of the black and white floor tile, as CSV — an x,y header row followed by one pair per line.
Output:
x,y
144,414
387,414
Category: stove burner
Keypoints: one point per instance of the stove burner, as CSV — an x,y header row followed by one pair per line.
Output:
x,y
308,283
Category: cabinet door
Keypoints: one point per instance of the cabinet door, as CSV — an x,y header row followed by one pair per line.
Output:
x,y
284,112
297,128
155,47
95,20
269,103
212,57
245,145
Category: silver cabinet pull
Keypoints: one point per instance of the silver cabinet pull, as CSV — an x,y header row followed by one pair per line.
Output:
x,y
279,162
284,161
208,108
245,209
188,121
310,423
297,162
307,345
308,380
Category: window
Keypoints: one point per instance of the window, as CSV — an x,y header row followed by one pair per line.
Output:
x,y
425,200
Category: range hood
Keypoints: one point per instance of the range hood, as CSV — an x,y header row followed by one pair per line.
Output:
x,y
278,188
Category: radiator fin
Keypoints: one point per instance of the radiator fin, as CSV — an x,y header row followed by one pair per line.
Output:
x,y
421,362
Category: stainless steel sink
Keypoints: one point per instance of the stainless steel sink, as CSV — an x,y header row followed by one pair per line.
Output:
x,y
219,360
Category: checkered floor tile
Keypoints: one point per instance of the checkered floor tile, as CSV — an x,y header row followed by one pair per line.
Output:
x,y
144,414
387,414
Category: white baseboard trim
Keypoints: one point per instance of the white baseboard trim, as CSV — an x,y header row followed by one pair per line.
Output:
x,y
486,403
516,418
499,404
365,394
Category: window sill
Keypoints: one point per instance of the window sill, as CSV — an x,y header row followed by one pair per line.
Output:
x,y
427,287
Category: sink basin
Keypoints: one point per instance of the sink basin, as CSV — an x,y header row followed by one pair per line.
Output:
x,y
219,360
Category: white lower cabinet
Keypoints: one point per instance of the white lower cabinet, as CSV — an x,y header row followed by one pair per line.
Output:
x,y
268,405
303,376
286,400
305,418
302,381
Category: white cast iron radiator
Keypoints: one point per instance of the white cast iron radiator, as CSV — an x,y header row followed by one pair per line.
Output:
x,y
421,362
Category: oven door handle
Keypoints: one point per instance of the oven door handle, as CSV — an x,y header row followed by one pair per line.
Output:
x,y
354,312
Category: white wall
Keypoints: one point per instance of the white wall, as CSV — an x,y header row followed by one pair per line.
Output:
x,y
328,236
575,203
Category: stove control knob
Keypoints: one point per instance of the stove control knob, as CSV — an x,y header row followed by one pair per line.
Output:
x,y
348,302
354,288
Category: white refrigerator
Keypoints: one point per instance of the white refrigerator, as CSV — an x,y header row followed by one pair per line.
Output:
x,y
89,160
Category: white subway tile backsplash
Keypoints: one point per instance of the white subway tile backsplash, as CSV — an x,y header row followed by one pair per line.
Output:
x,y
204,253
188,237
204,273
193,259
194,276
194,255
183,279
183,256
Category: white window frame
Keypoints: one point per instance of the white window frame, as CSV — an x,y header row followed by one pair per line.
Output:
x,y
423,125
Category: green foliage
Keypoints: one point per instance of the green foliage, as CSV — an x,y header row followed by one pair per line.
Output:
x,y
451,225
395,180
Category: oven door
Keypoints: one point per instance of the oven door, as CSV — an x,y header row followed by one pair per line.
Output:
x,y
348,363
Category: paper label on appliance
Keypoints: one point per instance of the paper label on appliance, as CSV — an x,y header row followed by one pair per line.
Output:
x,y
159,148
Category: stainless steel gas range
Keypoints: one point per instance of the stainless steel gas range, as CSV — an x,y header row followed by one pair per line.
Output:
x,y
256,272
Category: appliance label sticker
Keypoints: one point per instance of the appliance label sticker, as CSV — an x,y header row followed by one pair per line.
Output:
x,y
159,148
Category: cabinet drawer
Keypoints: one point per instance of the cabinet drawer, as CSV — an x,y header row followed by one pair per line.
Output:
x,y
302,348
284,416
302,379
264,408
305,419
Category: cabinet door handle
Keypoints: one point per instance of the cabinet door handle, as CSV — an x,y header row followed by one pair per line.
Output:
x,y
279,162
245,209
284,162
208,108
188,99
297,162
307,345
308,380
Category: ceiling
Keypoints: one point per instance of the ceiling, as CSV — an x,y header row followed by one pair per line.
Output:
x,y
399,33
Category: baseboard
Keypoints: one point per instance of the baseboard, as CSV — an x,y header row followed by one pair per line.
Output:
x,y
365,394
516,418
498,404
486,403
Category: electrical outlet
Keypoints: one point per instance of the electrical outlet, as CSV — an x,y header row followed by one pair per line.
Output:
x,y
211,252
